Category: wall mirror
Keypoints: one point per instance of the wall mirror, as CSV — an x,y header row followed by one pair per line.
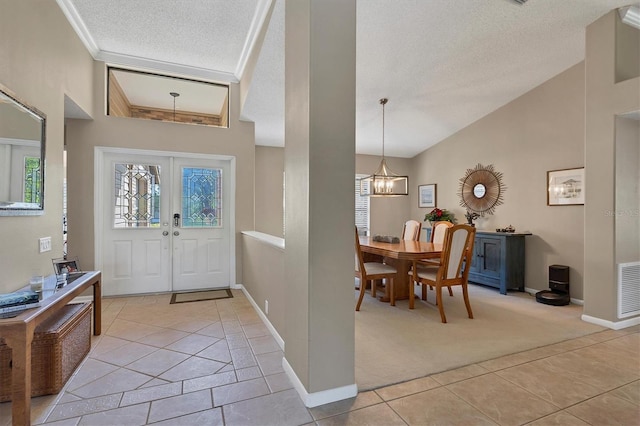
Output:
x,y
481,189
22,146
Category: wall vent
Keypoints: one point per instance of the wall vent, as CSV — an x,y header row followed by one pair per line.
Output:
x,y
628,289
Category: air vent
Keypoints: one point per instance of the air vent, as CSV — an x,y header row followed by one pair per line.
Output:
x,y
628,289
520,1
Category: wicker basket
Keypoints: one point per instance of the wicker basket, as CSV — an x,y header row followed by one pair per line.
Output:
x,y
59,345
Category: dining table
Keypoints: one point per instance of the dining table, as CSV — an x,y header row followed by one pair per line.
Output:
x,y
400,255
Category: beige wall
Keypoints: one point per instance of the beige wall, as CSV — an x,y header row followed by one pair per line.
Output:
x,y
627,182
604,100
108,131
387,215
269,190
263,278
540,131
41,60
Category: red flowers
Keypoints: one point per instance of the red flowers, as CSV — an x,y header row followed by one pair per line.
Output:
x,y
438,215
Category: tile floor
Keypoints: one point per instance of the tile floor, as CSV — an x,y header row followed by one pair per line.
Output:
x,y
215,363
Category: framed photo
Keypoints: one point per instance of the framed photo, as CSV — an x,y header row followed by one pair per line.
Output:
x,y
68,266
427,195
565,187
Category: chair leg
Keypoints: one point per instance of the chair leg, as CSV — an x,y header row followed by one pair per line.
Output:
x,y
424,291
363,286
465,294
392,291
373,288
412,295
439,303
450,291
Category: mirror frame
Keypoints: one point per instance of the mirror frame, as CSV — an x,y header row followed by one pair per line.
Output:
x,y
19,208
491,180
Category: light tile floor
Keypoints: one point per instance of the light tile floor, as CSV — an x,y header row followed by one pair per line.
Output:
x,y
215,363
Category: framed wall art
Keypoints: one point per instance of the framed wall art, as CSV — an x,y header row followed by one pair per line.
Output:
x,y
66,266
565,187
427,195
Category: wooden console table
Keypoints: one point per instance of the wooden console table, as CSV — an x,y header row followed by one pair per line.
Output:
x,y
18,335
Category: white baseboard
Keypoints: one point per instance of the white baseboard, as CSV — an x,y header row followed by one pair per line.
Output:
x,y
617,325
262,316
318,398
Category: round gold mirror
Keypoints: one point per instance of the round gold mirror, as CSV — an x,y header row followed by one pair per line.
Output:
x,y
481,189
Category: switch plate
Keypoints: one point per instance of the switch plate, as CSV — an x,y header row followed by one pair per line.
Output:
x,y
45,244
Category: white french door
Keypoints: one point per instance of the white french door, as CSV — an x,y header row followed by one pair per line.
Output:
x,y
166,223
200,224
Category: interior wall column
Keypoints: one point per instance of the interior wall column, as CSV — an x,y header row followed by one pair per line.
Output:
x,y
320,72
604,100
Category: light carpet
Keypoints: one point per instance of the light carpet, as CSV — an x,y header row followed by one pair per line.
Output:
x,y
396,344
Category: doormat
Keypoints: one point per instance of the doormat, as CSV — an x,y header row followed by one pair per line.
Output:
x,y
197,296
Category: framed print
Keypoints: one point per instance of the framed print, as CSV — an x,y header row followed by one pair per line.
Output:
x,y
68,266
565,187
427,195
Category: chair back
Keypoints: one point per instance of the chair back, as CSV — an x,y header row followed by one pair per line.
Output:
x,y
411,230
438,230
359,259
457,252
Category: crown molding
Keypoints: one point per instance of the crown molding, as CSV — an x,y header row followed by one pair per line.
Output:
x,y
165,67
78,26
257,23
630,15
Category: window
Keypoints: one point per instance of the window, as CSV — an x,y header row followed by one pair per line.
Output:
x,y
142,95
362,208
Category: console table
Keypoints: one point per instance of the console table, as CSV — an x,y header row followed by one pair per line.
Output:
x,y
498,260
18,334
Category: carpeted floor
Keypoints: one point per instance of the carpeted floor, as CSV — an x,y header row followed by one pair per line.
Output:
x,y
395,344
197,296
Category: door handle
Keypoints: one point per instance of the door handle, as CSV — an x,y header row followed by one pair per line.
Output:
x,y
176,233
176,219
165,233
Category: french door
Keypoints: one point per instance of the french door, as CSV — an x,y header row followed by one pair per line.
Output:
x,y
166,223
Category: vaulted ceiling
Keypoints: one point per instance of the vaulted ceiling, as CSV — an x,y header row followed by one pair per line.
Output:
x,y
443,64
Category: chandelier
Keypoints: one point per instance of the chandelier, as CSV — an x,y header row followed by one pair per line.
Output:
x,y
383,182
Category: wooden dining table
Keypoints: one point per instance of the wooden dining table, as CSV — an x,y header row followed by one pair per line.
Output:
x,y
400,255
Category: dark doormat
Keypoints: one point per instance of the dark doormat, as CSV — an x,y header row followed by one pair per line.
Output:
x,y
197,296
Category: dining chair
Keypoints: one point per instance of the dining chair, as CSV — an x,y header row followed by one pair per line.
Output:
x,y
453,268
438,229
411,230
437,237
370,271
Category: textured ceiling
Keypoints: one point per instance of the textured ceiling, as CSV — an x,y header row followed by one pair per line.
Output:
x,y
443,64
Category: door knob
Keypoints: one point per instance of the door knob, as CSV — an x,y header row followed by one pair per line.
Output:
x,y
176,233
165,233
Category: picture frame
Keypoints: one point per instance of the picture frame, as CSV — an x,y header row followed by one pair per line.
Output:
x,y
68,266
565,187
427,195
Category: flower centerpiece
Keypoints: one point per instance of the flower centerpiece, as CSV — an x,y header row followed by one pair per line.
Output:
x,y
437,214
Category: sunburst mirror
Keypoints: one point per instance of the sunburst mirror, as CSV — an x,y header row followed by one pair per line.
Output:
x,y
481,189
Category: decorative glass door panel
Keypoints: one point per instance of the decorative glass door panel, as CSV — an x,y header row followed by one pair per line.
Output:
x,y
201,197
137,195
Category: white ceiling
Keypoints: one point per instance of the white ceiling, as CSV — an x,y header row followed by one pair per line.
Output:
x,y
443,64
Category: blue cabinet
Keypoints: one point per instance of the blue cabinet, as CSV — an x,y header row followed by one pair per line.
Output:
x,y
498,260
